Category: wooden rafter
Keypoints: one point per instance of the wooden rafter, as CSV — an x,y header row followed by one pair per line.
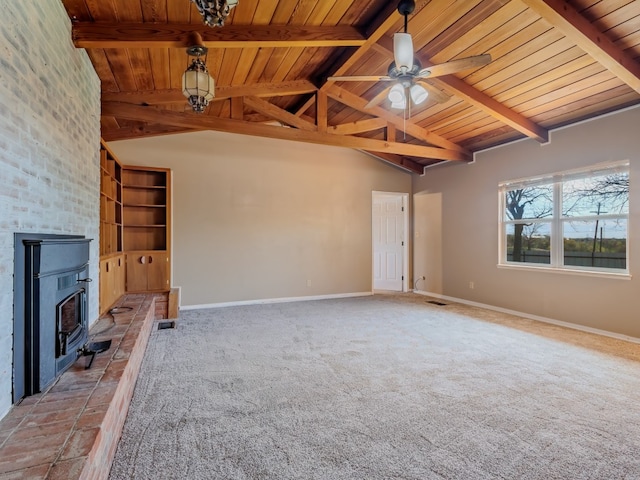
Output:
x,y
141,131
158,97
191,120
585,35
494,108
277,113
237,108
399,161
177,35
358,103
386,21
321,111
360,126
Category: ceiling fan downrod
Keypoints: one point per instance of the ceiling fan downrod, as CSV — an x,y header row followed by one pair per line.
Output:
x,y
406,8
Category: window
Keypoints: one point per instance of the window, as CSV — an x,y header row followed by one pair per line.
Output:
x,y
575,220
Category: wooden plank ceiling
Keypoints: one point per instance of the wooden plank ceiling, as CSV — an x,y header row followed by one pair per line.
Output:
x,y
553,63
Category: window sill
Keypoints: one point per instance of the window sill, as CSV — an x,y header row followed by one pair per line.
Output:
x,y
568,271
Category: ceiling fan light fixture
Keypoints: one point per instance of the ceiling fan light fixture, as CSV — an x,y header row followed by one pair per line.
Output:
x,y
214,12
418,94
396,94
197,84
399,105
403,51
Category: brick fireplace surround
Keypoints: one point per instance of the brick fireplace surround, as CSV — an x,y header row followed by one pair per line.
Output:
x,y
71,431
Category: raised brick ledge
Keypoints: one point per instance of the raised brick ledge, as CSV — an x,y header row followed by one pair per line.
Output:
x,y
71,431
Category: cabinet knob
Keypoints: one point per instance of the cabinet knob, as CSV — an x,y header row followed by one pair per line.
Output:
x,y
143,260
150,259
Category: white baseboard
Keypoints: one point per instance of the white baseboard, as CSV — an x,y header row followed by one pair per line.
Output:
x,y
575,326
264,301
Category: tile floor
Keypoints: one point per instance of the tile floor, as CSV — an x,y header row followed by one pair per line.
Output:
x,y
72,430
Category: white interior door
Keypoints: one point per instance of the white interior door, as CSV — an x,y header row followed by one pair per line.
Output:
x,y
389,231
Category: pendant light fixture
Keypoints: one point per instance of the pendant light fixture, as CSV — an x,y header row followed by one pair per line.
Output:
x,y
214,12
197,84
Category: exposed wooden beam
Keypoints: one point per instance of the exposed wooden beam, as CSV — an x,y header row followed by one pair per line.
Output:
x,y
391,132
360,104
177,35
321,111
386,20
158,97
399,161
308,118
237,108
305,106
140,131
277,113
192,120
585,35
492,107
358,127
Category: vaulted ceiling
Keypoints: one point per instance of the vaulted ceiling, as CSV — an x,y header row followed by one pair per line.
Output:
x,y
553,63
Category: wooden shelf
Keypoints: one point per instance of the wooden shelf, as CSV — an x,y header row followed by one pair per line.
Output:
x,y
135,228
110,203
112,259
146,198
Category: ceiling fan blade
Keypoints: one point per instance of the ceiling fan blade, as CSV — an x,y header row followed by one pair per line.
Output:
x,y
435,94
454,66
378,98
361,78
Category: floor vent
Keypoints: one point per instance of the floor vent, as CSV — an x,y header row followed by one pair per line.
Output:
x,y
166,324
436,303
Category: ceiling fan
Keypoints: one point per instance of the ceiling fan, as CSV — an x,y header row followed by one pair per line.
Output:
x,y
407,73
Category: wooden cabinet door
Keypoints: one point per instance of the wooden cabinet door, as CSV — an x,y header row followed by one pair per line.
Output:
x,y
137,272
157,269
119,276
111,281
106,285
147,271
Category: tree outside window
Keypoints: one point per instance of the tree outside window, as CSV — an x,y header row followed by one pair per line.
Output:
x,y
573,220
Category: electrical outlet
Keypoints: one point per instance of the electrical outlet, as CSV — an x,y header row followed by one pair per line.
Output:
x,y
472,285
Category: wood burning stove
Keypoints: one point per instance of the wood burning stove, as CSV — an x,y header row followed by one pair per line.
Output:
x,y
50,308
70,320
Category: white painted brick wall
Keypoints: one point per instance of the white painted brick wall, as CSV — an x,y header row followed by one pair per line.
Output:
x,y
49,146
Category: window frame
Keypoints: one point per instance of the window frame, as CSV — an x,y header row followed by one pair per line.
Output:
x,y
557,220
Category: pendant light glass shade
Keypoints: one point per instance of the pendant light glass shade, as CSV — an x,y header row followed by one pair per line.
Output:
x,y
403,51
197,85
418,94
396,94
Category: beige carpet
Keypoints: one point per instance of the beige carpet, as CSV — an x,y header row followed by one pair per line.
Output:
x,y
383,387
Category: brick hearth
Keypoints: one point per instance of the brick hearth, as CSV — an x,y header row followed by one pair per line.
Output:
x,y
71,431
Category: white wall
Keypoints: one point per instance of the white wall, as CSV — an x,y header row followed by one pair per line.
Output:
x,y
49,146
257,218
468,251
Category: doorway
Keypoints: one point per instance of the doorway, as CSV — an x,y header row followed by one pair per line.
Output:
x,y
389,239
